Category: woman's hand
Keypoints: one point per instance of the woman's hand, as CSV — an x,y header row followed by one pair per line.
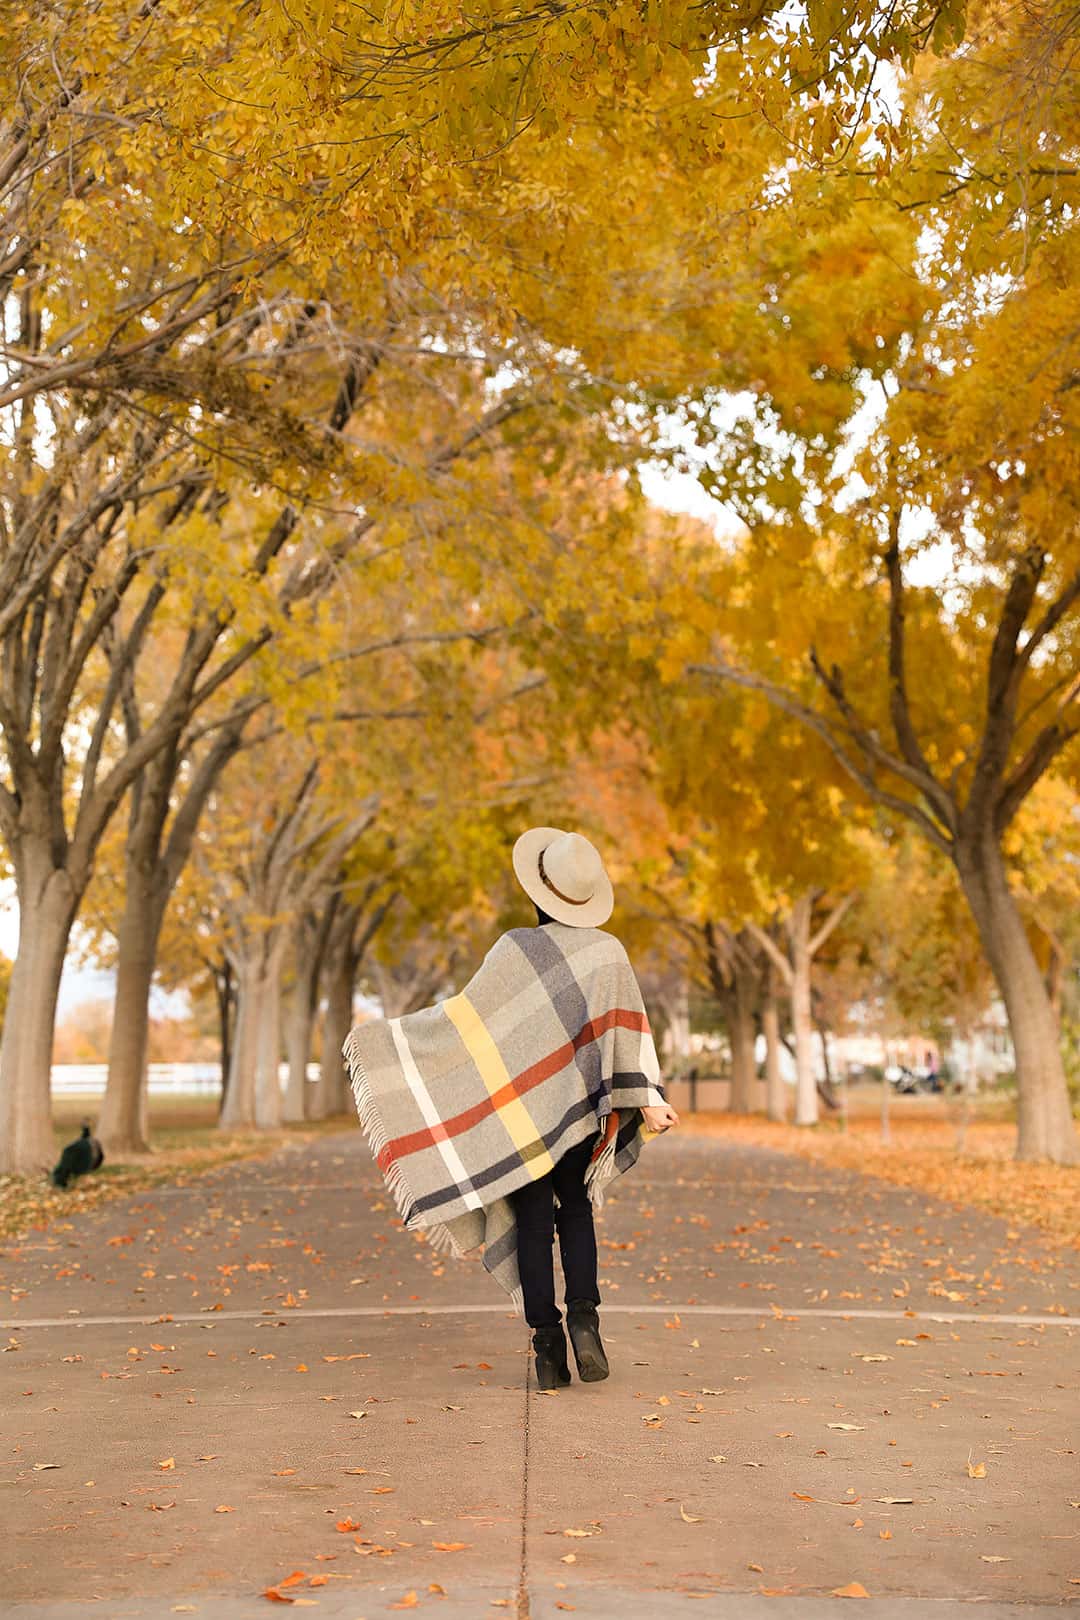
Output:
x,y
660,1118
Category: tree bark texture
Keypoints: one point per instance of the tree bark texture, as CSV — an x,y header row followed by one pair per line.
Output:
x,y
124,1124
48,902
802,1017
741,1033
775,1100
1045,1124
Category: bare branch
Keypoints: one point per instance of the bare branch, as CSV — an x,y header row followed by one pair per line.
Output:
x,y
899,702
772,950
836,916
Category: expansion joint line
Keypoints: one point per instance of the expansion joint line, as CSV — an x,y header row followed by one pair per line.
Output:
x,y
522,1610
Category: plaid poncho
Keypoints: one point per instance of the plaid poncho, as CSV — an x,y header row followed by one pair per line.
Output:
x,y
547,1045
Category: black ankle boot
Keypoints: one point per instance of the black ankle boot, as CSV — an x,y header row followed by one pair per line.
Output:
x,y
583,1320
550,1346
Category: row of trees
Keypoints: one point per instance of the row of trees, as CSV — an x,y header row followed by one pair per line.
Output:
x,y
318,483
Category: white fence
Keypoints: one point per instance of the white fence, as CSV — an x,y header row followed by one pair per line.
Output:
x,y
166,1079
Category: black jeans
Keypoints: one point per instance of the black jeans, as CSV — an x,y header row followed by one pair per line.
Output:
x,y
537,1219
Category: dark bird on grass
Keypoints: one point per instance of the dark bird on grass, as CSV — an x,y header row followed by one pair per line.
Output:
x,y
78,1158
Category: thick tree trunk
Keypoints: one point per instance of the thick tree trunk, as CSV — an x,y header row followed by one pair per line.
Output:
x,y
48,902
333,1084
239,1107
1045,1124
741,1034
775,1101
299,1026
152,866
310,938
802,1018
268,1042
124,1125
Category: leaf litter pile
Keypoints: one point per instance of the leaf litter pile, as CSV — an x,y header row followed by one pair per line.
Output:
x,y
922,1154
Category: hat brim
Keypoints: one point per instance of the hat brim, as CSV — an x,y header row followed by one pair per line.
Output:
x,y
527,851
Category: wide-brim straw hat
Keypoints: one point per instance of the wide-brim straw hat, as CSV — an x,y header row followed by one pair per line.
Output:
x,y
564,874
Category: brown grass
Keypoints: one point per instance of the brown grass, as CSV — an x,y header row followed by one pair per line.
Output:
x,y
922,1153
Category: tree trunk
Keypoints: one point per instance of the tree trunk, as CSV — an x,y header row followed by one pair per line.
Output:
x,y
299,1025
676,1040
337,1023
153,865
741,1034
124,1125
225,995
1045,1124
775,1101
48,902
239,1107
310,938
802,1019
268,1041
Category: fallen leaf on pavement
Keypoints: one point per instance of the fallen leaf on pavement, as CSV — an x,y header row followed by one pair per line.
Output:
x,y
39,1468
849,1428
347,1526
757,1569
294,1579
358,1414
854,1589
568,1558
169,1462
277,1597
976,1470
994,1558
897,1501
224,1509
689,1518
409,1601
450,1546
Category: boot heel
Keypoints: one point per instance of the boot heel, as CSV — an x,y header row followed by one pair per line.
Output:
x,y
549,1345
583,1321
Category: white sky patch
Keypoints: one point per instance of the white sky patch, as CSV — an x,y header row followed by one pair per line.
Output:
x,y
681,492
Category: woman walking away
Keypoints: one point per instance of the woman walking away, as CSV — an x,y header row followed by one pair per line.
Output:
x,y
501,1115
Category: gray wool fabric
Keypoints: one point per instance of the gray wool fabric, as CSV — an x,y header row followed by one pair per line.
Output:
x,y
468,1100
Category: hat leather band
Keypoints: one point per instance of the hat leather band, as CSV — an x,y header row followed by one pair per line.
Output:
x,y
546,881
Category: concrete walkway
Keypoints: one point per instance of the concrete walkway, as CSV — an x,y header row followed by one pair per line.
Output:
x,y
818,1381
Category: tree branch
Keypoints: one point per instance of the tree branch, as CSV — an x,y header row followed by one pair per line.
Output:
x,y
789,704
